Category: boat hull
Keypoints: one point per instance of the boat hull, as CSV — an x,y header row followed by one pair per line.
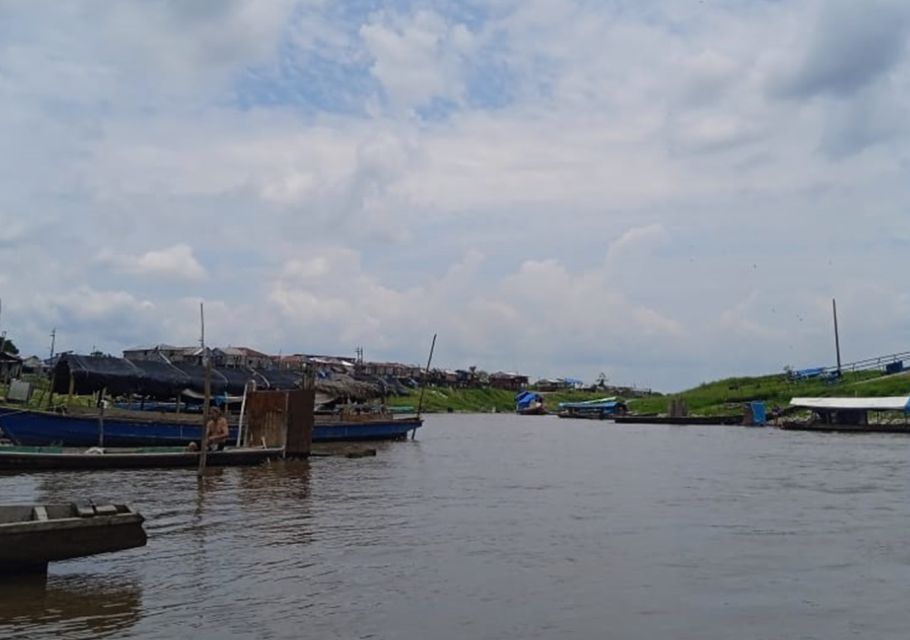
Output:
x,y
846,428
42,428
682,420
385,429
59,459
28,543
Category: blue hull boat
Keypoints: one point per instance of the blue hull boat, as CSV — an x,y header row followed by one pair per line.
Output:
x,y
45,428
377,429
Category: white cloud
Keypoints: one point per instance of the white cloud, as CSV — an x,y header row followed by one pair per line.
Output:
x,y
174,263
667,193
417,58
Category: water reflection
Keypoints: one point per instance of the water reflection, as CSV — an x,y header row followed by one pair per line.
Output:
x,y
75,606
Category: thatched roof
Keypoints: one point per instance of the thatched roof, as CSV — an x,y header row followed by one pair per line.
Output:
x,y
345,387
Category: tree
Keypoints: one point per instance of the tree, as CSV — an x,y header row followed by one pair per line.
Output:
x,y
9,347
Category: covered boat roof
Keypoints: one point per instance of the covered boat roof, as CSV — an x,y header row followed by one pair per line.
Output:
x,y
602,403
885,403
162,380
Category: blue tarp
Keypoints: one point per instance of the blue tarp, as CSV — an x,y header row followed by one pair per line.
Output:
x,y
525,398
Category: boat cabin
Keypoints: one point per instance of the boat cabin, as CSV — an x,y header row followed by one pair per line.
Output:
x,y
593,409
852,411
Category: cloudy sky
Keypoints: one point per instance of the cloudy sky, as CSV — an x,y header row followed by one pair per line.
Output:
x,y
668,192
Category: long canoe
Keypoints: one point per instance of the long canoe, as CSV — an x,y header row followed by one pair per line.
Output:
x,y
59,458
682,420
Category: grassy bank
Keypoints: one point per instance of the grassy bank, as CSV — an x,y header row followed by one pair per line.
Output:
x,y
713,398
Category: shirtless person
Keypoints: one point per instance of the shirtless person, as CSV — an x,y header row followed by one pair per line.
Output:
x,y
217,429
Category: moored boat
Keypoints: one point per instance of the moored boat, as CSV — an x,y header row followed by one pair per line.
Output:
x,y
530,403
601,409
122,428
33,535
680,420
890,414
60,458
118,428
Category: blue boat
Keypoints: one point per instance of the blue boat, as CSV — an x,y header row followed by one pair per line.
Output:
x,y
530,403
45,428
375,428
602,409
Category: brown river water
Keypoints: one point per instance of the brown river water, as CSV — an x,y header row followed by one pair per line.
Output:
x,y
500,526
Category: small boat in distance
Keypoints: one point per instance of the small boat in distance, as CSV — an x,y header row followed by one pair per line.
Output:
x,y
890,414
602,409
33,535
530,403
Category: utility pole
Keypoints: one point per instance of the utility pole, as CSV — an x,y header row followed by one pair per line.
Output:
x,y
836,336
53,341
2,335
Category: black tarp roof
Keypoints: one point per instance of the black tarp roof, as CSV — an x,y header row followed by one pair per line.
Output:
x,y
157,379
164,381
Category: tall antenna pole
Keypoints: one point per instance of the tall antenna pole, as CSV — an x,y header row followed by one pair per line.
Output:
x,y
2,335
836,336
426,376
53,341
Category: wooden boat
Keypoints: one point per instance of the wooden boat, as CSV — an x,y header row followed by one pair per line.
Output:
x,y
530,403
59,458
680,420
602,409
346,426
33,535
81,427
852,415
127,428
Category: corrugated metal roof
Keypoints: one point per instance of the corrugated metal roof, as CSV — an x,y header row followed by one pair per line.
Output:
x,y
885,403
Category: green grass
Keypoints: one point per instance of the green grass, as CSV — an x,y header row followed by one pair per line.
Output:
x,y
41,393
727,396
713,398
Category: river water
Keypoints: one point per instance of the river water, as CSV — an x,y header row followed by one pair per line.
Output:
x,y
500,526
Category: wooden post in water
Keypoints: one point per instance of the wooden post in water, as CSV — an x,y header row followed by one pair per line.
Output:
x,y
207,396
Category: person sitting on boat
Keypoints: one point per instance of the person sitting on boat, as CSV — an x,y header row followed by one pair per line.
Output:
x,y
217,428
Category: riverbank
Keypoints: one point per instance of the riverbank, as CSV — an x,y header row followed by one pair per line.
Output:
x,y
720,397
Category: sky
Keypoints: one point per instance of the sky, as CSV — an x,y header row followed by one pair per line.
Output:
x,y
665,192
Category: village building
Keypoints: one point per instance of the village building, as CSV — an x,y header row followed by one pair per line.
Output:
x,y
241,358
10,366
166,353
390,369
509,381
33,365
